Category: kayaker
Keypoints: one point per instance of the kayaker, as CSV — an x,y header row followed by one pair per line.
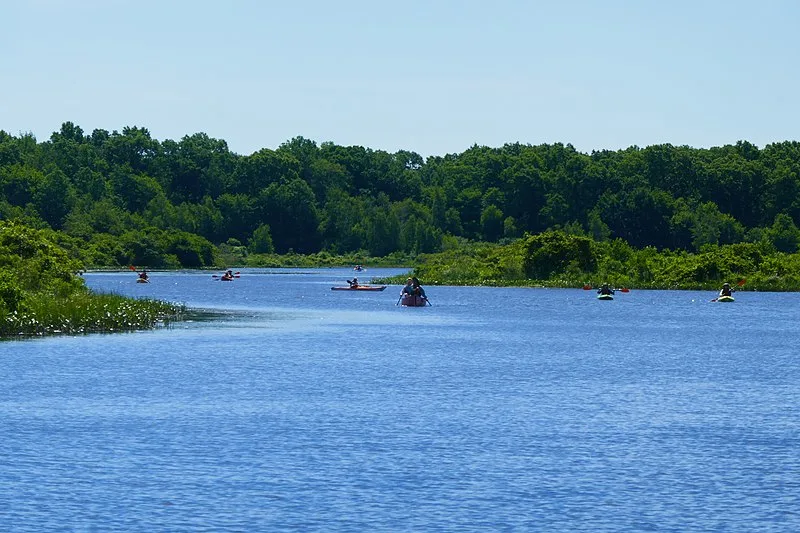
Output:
x,y
354,283
417,288
605,289
228,275
726,290
143,275
408,288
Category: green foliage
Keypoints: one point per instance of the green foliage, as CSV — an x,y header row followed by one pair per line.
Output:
x,y
261,241
784,234
41,294
555,252
10,293
558,259
84,312
344,199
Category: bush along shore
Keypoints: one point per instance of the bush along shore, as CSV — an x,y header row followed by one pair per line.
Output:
x,y
41,294
559,259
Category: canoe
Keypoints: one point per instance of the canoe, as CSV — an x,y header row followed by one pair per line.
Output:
x,y
725,299
605,296
360,288
411,300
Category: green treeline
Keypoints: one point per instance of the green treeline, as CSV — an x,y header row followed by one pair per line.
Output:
x,y
119,198
559,259
40,292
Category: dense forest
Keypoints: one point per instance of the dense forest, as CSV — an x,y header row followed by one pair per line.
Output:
x,y
120,198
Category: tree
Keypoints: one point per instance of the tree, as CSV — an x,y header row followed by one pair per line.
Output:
x,y
291,213
261,241
263,168
713,227
382,232
492,223
556,252
784,234
54,197
239,216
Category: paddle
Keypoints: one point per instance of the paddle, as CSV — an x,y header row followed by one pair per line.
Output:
x,y
145,279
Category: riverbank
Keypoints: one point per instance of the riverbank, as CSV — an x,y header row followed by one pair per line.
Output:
x,y
560,260
86,312
42,294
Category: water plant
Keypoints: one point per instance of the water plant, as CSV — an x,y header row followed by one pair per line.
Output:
x,y
41,294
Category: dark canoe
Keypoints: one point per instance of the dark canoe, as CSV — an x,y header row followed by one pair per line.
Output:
x,y
360,288
410,300
605,297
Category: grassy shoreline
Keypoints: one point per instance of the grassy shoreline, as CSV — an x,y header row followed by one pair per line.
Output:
x,y
559,260
42,294
86,312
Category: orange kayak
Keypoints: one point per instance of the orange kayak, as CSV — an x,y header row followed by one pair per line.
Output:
x,y
360,288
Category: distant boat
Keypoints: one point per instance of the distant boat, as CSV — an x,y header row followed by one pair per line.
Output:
x,y
360,288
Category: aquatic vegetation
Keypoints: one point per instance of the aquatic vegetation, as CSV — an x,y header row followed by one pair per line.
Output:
x,y
85,312
40,293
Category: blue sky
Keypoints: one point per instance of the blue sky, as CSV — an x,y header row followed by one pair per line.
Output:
x,y
433,77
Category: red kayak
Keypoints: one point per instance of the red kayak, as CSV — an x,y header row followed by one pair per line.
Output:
x,y
412,300
360,288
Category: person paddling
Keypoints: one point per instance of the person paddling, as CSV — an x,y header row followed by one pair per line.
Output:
x,y
417,288
408,288
227,276
143,275
605,289
726,290
354,283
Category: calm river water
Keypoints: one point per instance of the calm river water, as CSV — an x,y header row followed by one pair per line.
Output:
x,y
299,408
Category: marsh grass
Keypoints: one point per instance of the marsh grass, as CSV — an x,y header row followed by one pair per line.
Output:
x,y
85,312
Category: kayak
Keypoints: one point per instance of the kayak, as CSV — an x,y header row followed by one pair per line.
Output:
x,y
725,299
605,296
142,280
412,300
360,288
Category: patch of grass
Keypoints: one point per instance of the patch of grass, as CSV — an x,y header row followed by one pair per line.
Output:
x,y
86,312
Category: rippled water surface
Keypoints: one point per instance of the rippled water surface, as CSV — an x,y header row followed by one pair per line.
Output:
x,y
291,407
